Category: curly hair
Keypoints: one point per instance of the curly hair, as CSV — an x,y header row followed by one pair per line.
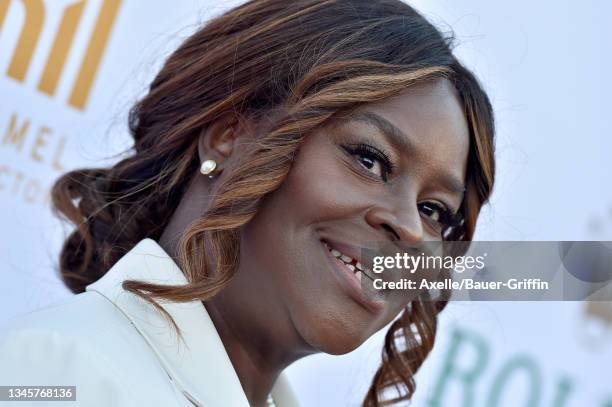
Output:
x,y
316,59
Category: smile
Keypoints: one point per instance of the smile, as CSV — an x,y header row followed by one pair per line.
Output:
x,y
349,272
353,265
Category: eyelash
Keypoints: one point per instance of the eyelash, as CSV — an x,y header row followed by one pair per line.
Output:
x,y
448,218
374,153
449,223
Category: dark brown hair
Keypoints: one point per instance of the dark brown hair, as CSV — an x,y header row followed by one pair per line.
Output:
x,y
315,58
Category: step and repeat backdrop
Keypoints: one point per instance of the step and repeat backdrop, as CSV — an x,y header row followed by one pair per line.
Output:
x,y
70,70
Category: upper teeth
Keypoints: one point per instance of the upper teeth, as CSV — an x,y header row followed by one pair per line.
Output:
x,y
346,259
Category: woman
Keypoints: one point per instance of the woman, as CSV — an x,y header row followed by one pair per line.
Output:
x,y
275,143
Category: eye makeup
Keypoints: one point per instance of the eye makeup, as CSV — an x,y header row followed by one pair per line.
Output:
x,y
375,161
370,158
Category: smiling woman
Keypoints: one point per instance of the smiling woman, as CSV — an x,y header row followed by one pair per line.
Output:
x,y
274,144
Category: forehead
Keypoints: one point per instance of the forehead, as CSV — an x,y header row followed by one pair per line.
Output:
x,y
430,117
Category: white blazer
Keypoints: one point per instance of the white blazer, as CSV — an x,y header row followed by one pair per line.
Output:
x,y
118,350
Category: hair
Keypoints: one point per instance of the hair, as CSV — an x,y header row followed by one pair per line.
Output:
x,y
316,59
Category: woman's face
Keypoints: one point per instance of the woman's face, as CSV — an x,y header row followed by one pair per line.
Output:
x,y
387,172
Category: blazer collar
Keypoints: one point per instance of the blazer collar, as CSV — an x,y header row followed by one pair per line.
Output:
x,y
199,365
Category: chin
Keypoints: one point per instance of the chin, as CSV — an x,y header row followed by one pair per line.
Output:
x,y
340,348
334,336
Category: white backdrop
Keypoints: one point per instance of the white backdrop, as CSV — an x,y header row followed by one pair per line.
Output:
x,y
543,64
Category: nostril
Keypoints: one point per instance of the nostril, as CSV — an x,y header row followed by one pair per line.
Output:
x,y
391,231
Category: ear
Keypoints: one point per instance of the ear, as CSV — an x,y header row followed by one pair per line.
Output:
x,y
217,140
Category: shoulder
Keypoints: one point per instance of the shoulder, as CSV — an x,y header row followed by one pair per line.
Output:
x,y
87,342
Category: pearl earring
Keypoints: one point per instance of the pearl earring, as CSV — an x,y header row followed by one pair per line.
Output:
x,y
208,167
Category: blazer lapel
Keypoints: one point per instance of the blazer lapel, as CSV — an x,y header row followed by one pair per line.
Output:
x,y
199,364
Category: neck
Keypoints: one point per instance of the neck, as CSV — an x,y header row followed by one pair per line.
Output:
x,y
259,340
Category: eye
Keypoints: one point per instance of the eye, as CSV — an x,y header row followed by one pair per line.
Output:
x,y
440,216
371,159
432,210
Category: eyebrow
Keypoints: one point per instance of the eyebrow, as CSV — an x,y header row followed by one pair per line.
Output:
x,y
401,139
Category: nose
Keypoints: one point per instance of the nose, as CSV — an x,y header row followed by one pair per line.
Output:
x,y
398,222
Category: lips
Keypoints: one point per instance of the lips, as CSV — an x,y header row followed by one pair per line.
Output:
x,y
352,264
349,270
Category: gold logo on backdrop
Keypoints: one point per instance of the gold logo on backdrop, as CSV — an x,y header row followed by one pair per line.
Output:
x,y
64,36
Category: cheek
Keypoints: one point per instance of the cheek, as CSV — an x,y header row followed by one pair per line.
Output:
x,y
308,181
321,186
288,217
